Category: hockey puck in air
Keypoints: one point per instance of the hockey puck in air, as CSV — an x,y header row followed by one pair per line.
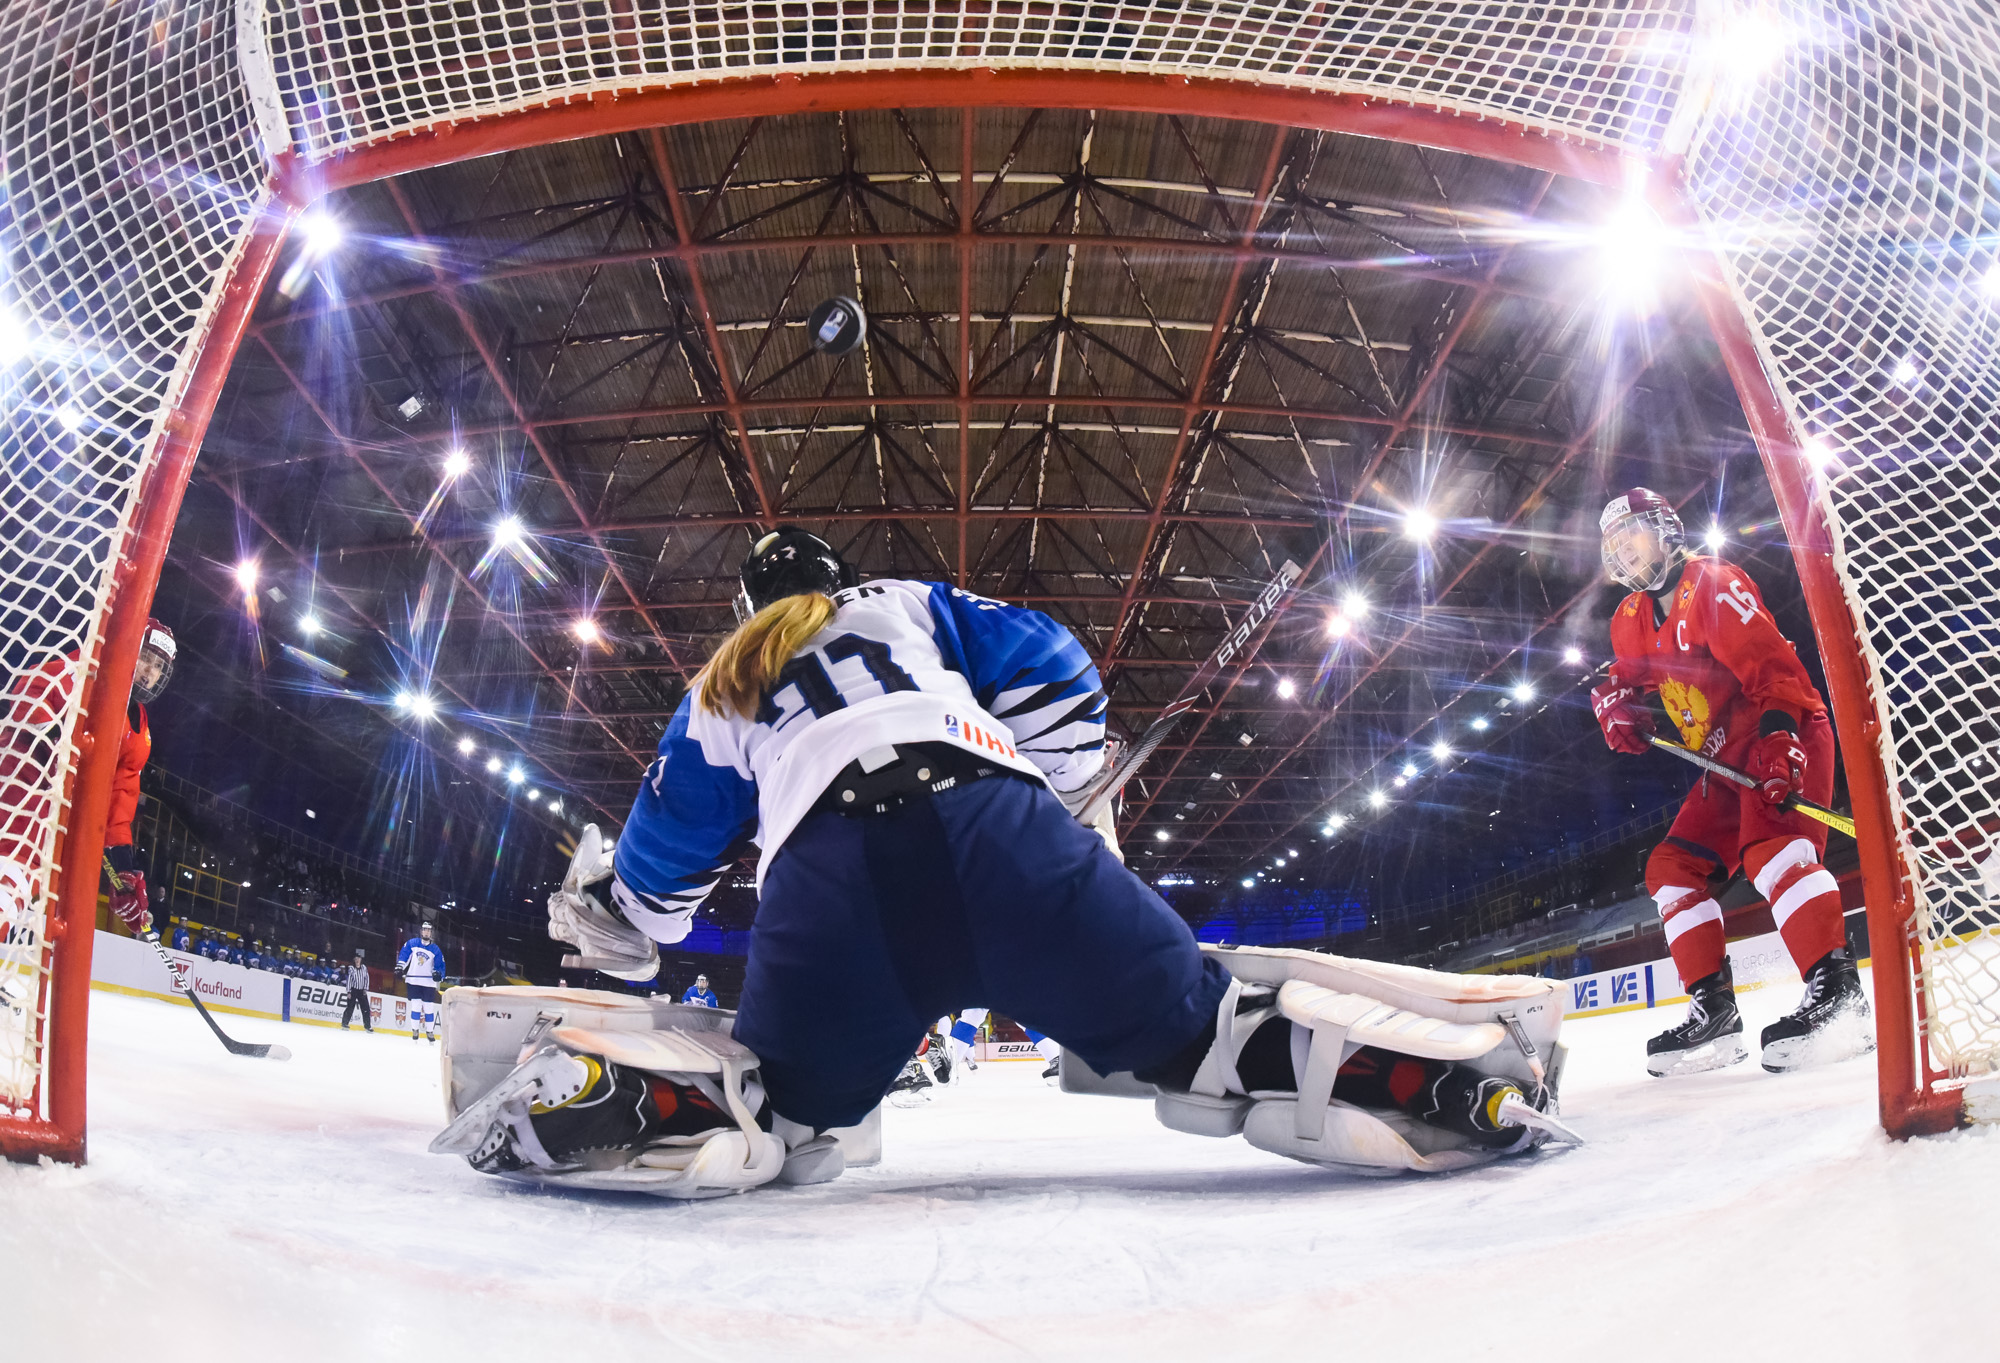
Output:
x,y
837,325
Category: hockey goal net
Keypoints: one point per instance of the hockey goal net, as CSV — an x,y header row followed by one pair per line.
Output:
x,y
153,154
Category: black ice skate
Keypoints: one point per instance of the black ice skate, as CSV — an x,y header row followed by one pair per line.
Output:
x,y
1831,1023
1711,1037
1461,1099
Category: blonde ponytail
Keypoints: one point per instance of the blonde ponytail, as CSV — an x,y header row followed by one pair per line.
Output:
x,y
734,681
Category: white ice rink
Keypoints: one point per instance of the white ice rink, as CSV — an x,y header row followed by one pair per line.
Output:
x,y
240,1209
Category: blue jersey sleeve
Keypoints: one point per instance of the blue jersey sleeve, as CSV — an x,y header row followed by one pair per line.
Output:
x,y
1031,674
692,819
403,956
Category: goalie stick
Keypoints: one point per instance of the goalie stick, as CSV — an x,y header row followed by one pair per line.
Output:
x,y
1267,601
256,1050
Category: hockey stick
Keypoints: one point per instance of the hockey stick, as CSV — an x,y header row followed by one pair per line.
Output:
x,y
257,1050
1113,781
1832,818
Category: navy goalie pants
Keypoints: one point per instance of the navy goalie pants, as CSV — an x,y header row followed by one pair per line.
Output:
x,y
990,895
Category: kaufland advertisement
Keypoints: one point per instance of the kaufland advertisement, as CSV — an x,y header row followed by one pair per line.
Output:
x,y
124,965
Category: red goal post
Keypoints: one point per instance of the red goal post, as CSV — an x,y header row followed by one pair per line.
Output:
x,y
153,158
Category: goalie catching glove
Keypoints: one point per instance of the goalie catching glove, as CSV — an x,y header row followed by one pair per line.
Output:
x,y
593,912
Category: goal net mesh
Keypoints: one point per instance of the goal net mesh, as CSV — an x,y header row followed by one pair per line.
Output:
x,y
129,176
1852,181
1847,181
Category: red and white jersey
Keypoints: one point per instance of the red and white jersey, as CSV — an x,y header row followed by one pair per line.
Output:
x,y
1717,659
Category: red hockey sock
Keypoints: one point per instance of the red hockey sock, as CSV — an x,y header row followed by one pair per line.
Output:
x,y
1693,923
1803,895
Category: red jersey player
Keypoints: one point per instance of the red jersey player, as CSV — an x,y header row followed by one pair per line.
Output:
x,y
1695,631
33,712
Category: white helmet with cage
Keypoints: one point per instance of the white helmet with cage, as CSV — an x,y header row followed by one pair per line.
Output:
x,y
156,663
1644,542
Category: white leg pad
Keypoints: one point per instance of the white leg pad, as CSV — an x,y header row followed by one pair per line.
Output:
x,y
486,1032
1505,1025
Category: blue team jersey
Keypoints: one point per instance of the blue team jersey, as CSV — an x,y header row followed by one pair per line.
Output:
x,y
421,962
900,662
180,939
704,997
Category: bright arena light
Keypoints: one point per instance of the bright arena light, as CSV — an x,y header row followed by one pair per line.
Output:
x,y
15,340
1248,883
1524,691
1420,525
423,707
507,532
1714,538
457,463
1480,724
586,630
1376,799
555,806
493,764
534,794
1338,626
1440,751
1355,605
1748,46
1402,781
70,417
246,576
1572,655
321,233
1336,822
1905,372
1409,769
1633,249
1286,690
1818,453
405,699
466,747
515,776
309,625
1161,835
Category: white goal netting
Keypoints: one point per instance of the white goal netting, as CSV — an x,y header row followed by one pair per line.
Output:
x,y
1847,178
1853,180
129,177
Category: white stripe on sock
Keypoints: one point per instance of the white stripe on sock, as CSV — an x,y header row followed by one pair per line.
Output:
x,y
1804,889
1708,911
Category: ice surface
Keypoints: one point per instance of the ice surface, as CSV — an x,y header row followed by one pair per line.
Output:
x,y
237,1208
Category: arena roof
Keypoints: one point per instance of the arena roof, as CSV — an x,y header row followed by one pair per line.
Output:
x,y
1120,367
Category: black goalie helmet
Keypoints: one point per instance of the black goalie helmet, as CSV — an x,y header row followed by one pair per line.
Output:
x,y
786,562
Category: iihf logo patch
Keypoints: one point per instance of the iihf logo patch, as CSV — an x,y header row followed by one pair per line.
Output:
x,y
951,726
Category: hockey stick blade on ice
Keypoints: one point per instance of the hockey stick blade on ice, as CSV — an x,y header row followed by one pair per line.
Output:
x,y
1238,639
1832,818
256,1050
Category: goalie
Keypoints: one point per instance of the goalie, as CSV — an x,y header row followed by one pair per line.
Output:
x,y
908,756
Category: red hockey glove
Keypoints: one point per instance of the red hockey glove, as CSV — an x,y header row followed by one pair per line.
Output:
x,y
1779,765
129,903
1626,722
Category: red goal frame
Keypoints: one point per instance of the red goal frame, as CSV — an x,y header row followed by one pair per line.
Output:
x,y
1909,1101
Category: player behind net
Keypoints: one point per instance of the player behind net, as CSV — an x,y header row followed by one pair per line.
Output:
x,y
902,753
1695,630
